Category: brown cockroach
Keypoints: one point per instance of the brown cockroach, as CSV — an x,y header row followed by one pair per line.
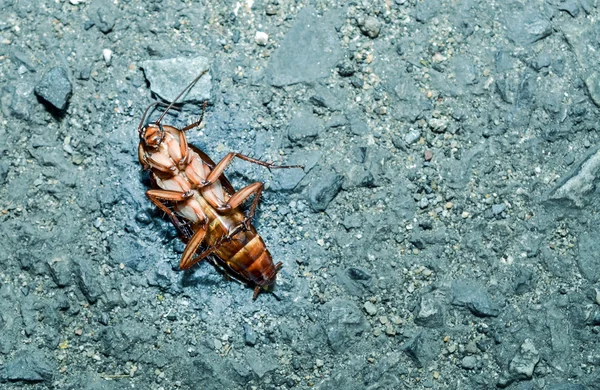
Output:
x,y
201,202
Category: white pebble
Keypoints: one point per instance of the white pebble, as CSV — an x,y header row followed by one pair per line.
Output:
x,y
107,54
261,38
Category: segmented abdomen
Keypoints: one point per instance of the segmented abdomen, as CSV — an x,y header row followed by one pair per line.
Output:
x,y
245,255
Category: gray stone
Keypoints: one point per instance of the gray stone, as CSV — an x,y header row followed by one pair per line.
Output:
x,y
169,77
120,340
345,324
60,270
324,189
370,308
430,313
569,7
358,126
55,88
412,136
589,250
522,364
468,362
371,27
592,83
527,26
309,50
104,15
249,335
28,366
579,184
87,280
498,209
475,297
260,364
567,386
288,179
304,127
427,9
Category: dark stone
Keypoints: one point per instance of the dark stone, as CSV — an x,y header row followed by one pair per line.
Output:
x,y
324,189
60,270
419,349
28,366
3,172
345,68
249,335
55,88
345,324
475,297
304,127
87,280
358,274
309,50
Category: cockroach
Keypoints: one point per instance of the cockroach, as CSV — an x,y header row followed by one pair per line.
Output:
x,y
201,202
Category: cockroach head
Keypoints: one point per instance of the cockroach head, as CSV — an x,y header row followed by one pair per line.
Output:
x,y
152,135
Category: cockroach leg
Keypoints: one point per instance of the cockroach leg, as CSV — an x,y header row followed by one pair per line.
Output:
x,y
198,122
188,259
242,195
224,163
256,292
157,196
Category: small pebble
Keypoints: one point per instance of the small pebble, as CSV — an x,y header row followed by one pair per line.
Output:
x,y
320,363
107,54
370,308
469,362
428,155
261,38
412,136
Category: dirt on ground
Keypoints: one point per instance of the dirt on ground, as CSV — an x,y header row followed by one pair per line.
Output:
x,y
443,234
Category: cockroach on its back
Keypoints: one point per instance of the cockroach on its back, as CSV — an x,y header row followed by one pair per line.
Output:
x,y
202,204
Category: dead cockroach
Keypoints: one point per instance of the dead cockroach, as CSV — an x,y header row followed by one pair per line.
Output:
x,y
202,204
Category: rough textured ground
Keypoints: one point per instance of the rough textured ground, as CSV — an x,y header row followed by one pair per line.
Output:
x,y
444,234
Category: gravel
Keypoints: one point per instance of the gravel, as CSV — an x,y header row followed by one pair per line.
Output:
x,y
442,233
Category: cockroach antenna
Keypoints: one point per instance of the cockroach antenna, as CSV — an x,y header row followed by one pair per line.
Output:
x,y
190,85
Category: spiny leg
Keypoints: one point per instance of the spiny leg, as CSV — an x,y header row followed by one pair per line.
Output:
x,y
157,196
198,122
224,163
188,259
241,196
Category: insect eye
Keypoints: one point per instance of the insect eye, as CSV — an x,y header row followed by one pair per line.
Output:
x,y
152,136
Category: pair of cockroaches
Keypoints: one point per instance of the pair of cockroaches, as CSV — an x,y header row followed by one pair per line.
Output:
x,y
197,197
